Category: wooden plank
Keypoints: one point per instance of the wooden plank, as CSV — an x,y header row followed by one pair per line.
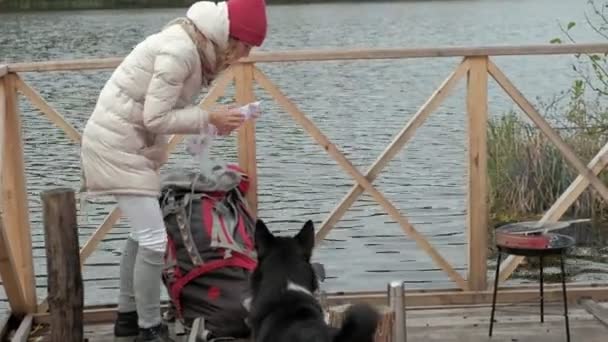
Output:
x,y
333,151
14,196
557,210
544,126
23,332
340,54
400,53
67,65
3,70
464,318
420,299
65,286
477,213
598,311
393,148
3,109
47,110
480,313
432,291
510,295
8,267
450,325
246,134
530,331
90,316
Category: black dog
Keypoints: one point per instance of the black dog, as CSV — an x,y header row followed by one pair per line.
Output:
x,y
283,307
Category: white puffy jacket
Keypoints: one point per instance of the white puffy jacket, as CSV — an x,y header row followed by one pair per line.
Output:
x,y
148,97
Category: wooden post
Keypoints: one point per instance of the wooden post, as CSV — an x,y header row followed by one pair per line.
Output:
x,y
246,135
384,332
65,287
9,274
15,207
3,108
477,213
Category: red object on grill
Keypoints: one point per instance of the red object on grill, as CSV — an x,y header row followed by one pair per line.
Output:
x,y
532,241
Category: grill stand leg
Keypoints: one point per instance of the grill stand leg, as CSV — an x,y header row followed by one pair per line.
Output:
x,y
495,292
542,295
565,297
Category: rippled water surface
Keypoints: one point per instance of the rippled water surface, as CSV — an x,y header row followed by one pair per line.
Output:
x,y
359,105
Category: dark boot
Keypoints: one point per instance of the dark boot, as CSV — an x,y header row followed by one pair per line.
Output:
x,y
126,326
159,333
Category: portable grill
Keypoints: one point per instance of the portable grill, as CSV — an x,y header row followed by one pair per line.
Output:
x,y
528,235
534,239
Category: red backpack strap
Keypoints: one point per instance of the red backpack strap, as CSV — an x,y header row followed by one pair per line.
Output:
x,y
237,260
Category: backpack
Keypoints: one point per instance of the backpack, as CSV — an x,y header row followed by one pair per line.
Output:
x,y
210,253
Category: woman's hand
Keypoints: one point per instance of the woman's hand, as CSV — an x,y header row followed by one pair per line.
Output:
x,y
226,119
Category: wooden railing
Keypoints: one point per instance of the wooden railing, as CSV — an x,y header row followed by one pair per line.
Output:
x,y
16,257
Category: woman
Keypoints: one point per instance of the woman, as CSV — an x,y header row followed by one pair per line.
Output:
x,y
149,97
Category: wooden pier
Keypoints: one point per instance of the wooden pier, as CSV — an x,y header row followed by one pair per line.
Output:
x,y
463,308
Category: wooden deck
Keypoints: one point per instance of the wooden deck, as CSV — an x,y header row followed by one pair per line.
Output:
x,y
514,323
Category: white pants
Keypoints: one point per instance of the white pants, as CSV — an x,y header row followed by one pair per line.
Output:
x,y
146,220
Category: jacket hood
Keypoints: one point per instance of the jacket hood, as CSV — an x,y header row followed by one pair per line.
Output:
x,y
212,20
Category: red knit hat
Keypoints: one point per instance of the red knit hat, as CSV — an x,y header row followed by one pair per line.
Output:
x,y
248,20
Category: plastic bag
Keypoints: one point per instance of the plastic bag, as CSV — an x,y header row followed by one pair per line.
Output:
x,y
199,147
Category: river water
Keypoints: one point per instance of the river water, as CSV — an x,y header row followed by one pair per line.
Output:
x,y
359,105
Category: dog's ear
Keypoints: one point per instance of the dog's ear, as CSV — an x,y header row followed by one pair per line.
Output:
x,y
263,238
306,238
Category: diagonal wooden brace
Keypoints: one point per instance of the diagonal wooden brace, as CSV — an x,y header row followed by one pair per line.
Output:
x,y
394,147
322,140
47,110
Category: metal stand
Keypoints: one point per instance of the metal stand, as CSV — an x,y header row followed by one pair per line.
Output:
x,y
542,299
396,296
565,297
